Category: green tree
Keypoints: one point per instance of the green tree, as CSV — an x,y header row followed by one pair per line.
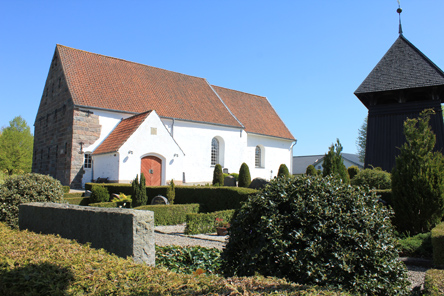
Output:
x,y
143,198
16,145
218,176
244,176
283,171
361,142
418,178
311,171
334,164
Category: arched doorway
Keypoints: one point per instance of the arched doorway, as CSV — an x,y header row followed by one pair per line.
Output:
x,y
151,167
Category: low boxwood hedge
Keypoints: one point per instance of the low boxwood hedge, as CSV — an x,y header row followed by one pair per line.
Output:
x,y
205,222
434,282
438,244
80,201
36,264
170,214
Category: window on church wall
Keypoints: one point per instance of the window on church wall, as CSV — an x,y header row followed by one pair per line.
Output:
x,y
258,157
88,161
214,151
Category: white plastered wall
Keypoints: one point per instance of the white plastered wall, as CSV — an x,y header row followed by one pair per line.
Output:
x,y
144,143
106,166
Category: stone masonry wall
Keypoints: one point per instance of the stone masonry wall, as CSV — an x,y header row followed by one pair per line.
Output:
x,y
59,129
131,234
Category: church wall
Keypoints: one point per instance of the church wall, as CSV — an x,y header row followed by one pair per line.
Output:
x,y
151,139
107,166
195,141
275,152
53,127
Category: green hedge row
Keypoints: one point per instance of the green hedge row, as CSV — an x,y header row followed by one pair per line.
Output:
x,y
65,189
212,199
434,282
170,214
205,222
438,244
110,204
80,201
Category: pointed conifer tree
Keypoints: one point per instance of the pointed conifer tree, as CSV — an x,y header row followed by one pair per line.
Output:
x,y
244,176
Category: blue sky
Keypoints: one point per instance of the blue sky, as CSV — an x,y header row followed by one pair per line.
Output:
x,y
306,57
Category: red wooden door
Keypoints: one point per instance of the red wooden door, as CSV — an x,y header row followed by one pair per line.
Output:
x,y
151,168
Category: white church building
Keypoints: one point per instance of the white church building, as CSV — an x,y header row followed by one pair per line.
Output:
x,y
105,118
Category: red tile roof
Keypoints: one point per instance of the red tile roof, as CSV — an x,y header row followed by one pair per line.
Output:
x,y
104,82
255,113
121,133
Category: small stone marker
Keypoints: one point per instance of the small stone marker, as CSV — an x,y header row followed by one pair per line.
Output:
x,y
229,181
160,200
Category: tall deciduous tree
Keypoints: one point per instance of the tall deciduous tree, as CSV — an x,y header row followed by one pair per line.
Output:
x,y
16,145
334,164
418,179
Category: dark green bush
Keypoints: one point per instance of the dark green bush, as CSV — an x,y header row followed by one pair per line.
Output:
x,y
352,171
319,231
99,194
188,259
438,244
116,188
385,195
417,246
205,222
218,176
170,214
244,176
311,171
26,188
283,171
418,179
373,178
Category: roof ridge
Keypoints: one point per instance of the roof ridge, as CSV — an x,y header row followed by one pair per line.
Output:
x,y
123,60
243,92
232,114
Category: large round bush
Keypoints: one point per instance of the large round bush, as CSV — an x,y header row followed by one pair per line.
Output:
x,y
314,230
373,178
26,188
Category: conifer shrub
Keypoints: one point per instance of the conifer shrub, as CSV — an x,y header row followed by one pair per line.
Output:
x,y
26,188
99,194
311,170
171,192
314,230
418,179
352,171
333,163
374,178
139,196
244,176
283,171
218,176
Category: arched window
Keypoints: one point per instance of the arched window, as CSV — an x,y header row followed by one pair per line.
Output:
x,y
258,157
214,151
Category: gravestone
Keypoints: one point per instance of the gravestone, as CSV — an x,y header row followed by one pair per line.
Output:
x,y
229,181
160,200
258,183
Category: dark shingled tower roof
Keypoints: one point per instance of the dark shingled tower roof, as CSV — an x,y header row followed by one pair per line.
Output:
x,y
402,67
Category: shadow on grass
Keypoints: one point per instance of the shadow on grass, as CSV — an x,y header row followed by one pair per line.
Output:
x,y
34,279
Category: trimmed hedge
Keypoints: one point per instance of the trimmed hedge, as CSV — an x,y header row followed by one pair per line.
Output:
x,y
204,222
438,245
170,214
213,199
66,189
434,282
36,264
109,204
80,201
